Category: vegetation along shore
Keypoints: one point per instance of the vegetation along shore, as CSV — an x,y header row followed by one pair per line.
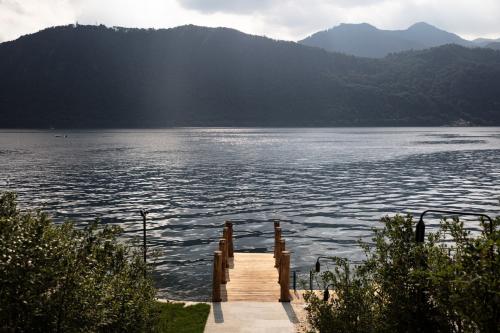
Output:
x,y
59,278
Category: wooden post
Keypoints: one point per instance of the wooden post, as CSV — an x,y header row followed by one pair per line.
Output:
x,y
225,235
276,225
216,279
230,246
285,277
282,248
278,254
280,271
224,232
222,246
277,238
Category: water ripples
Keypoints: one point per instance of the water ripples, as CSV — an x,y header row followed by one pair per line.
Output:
x,y
329,186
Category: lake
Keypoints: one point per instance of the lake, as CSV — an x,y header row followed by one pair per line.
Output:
x,y
329,186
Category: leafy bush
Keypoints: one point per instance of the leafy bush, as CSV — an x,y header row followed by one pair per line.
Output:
x,y
57,278
441,285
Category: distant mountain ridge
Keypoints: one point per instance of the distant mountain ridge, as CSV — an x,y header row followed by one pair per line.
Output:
x,y
95,77
494,45
364,40
483,42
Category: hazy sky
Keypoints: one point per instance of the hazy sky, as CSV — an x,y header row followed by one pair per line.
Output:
x,y
281,19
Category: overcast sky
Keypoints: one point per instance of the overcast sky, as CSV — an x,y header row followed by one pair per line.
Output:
x,y
280,19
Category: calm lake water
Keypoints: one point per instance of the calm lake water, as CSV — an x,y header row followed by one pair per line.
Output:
x,y
329,186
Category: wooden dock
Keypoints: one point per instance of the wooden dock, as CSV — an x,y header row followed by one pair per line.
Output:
x,y
259,277
252,278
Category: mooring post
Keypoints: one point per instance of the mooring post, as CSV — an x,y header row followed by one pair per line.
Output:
x,y
225,235
285,277
230,246
276,237
282,248
277,251
222,246
216,279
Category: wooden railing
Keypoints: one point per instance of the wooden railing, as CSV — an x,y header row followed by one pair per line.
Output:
x,y
221,261
226,251
217,277
282,262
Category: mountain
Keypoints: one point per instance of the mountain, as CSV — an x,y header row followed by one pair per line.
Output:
x,y
482,42
364,40
93,76
494,45
430,36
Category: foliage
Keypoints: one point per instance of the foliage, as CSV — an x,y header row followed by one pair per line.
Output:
x,y
178,318
443,285
93,76
57,278
350,309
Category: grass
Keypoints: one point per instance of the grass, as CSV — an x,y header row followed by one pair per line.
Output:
x,y
175,317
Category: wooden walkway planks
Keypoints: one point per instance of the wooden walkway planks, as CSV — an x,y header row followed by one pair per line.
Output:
x,y
251,277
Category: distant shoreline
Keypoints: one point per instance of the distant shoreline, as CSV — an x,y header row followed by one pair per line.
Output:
x,y
90,129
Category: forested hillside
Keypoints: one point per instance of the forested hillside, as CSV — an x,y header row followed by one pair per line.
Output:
x,y
93,76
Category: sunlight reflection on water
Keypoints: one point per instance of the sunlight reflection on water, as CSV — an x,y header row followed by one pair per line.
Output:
x,y
329,186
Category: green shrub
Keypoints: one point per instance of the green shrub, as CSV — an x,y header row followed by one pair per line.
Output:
x,y
404,286
57,278
350,308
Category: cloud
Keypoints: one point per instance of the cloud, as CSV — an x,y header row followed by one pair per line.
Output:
x,y
464,17
252,6
280,19
27,16
295,19
227,6
13,6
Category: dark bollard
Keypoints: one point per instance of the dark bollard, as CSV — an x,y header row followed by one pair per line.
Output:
x,y
420,231
326,293
311,280
144,213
